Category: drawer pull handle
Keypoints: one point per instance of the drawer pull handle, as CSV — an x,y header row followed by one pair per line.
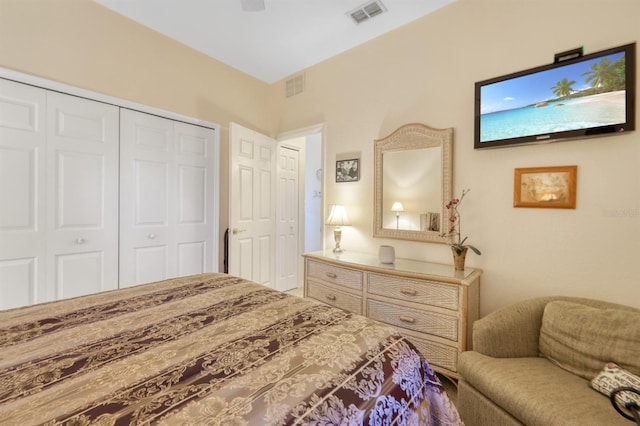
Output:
x,y
331,275
330,297
408,291
409,320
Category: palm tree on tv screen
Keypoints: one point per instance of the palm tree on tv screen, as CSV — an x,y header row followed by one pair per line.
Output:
x,y
605,76
563,88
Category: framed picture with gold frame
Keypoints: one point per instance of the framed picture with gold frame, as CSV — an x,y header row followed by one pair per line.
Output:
x,y
545,187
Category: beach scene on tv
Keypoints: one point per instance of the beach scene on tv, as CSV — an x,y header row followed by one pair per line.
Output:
x,y
575,96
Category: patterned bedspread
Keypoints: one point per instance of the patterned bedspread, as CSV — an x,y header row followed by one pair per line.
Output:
x,y
210,349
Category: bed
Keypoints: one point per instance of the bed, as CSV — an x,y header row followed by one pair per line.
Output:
x,y
210,349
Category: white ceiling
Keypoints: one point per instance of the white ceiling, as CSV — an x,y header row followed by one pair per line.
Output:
x,y
285,38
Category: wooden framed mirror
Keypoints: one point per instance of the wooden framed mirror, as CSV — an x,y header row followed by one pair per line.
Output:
x,y
413,180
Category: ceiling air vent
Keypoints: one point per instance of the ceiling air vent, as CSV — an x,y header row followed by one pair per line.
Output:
x,y
367,11
294,85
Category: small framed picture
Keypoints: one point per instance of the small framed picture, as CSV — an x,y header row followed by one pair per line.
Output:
x,y
348,170
545,187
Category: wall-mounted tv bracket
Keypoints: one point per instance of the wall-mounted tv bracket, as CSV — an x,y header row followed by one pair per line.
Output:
x,y
569,54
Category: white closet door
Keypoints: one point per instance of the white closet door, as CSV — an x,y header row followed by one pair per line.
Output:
x,y
22,194
146,174
166,220
82,196
195,199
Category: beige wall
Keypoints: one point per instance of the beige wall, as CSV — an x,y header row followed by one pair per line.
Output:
x,y
81,43
423,72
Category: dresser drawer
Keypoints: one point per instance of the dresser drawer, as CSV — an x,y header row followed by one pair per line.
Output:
x,y
424,292
335,274
436,324
336,298
438,355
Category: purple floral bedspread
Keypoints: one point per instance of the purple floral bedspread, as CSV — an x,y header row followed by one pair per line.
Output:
x,y
210,349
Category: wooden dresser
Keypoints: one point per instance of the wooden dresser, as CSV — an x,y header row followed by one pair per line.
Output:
x,y
432,304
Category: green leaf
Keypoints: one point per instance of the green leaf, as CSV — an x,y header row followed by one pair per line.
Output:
x,y
475,250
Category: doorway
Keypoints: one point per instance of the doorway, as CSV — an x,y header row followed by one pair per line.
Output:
x,y
309,143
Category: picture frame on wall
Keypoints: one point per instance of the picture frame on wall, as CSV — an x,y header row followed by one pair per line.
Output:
x,y
545,187
348,170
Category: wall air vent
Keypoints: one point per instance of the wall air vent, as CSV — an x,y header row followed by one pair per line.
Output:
x,y
294,85
367,11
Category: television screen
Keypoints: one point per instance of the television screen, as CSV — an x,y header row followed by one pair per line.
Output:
x,y
584,96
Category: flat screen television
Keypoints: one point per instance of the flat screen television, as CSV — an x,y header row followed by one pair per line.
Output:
x,y
587,95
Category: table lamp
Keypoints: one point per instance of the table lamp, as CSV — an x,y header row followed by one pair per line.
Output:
x,y
337,218
397,207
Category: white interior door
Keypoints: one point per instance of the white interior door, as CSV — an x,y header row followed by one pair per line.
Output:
x,y
252,205
287,218
82,196
22,194
167,199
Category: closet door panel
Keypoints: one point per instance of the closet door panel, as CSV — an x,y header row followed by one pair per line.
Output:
x,y
22,194
195,227
151,192
19,279
79,273
151,263
82,202
167,199
192,258
147,188
80,191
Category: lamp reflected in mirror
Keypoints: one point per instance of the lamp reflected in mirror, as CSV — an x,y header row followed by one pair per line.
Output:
x,y
397,208
338,218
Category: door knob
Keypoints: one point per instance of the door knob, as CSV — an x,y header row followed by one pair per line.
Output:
x,y
80,240
237,231
151,236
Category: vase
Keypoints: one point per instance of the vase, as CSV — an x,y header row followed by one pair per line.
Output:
x,y
458,258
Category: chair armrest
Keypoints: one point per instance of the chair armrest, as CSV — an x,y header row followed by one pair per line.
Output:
x,y
512,331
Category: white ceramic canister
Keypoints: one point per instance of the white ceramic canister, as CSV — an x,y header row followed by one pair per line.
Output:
x,y
387,254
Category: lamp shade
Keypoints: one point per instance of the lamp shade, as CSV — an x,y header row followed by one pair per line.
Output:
x,y
338,216
397,207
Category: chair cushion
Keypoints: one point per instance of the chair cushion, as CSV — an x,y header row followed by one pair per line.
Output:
x,y
581,339
537,392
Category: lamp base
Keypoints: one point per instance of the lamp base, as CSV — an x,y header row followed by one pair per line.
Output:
x,y
337,235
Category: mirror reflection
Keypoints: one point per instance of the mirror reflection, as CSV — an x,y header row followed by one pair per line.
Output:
x,y
412,183
412,192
